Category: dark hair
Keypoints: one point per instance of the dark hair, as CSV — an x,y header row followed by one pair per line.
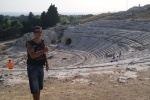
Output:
x,y
37,27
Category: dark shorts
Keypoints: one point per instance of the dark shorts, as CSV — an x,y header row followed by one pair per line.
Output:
x,y
36,76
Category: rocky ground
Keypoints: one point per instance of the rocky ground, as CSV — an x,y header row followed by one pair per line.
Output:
x,y
93,87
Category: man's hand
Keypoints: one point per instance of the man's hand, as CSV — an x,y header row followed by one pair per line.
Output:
x,y
47,67
45,49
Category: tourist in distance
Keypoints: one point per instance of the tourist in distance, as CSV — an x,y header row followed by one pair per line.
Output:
x,y
10,64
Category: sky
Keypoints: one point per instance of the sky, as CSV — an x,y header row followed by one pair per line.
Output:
x,y
70,6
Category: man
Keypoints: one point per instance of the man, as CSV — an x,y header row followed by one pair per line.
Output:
x,y
36,52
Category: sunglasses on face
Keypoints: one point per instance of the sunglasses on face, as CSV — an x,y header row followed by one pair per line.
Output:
x,y
37,32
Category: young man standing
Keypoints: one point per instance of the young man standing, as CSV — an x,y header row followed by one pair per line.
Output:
x,y
36,52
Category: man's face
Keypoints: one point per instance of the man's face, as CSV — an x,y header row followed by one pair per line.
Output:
x,y
37,32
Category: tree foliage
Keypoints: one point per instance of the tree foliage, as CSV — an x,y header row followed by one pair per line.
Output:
x,y
50,18
13,26
64,19
44,19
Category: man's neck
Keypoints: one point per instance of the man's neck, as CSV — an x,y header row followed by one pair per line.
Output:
x,y
37,40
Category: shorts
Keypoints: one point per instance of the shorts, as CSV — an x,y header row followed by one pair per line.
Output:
x,y
36,76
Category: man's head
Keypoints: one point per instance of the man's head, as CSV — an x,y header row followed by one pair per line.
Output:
x,y
37,31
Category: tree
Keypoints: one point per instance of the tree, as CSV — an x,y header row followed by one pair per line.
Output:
x,y
2,19
30,17
8,22
16,23
52,16
44,20
64,20
26,27
36,20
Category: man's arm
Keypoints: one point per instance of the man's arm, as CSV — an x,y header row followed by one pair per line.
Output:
x,y
47,67
34,54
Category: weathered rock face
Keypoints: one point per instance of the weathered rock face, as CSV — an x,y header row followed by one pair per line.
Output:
x,y
24,39
47,36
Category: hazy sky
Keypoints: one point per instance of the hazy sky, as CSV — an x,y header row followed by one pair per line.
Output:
x,y
70,6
